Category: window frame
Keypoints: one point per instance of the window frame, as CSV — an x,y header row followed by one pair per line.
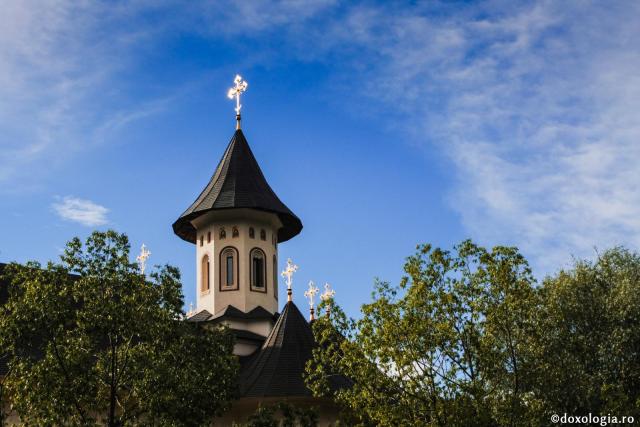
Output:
x,y
205,285
275,276
253,288
223,269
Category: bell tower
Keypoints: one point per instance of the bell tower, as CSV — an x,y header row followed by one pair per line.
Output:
x,y
236,224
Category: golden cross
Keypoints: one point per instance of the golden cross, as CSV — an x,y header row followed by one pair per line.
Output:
x,y
142,258
328,292
288,274
311,294
239,87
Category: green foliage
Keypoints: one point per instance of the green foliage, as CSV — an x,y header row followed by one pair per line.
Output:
x,y
282,414
107,345
3,400
469,339
588,348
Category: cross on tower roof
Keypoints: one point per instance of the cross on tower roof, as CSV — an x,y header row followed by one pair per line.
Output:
x,y
327,296
142,258
328,292
235,91
288,274
311,295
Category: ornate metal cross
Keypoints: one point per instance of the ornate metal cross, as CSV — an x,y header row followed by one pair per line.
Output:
x,y
288,274
235,91
142,258
311,294
327,295
328,292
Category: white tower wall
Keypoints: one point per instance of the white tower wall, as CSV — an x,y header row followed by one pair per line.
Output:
x,y
216,298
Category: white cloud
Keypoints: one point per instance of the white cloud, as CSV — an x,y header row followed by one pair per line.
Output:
x,y
537,105
259,15
82,211
545,138
59,84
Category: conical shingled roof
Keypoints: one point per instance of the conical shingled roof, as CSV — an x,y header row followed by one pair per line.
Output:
x,y
277,368
238,182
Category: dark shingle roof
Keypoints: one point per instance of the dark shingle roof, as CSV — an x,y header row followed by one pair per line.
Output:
x,y
257,313
200,316
238,182
248,335
231,312
277,368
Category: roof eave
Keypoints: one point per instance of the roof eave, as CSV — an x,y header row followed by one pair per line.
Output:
x,y
183,228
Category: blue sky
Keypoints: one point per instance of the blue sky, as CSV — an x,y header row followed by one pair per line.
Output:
x,y
381,125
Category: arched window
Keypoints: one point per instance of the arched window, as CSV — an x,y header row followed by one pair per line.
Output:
x,y
201,239
252,233
263,234
258,270
205,270
275,277
223,234
229,269
208,237
235,232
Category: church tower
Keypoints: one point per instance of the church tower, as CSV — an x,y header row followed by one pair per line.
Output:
x,y
236,224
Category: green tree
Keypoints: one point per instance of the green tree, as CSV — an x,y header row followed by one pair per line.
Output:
x,y
588,346
282,414
3,400
469,339
93,341
449,346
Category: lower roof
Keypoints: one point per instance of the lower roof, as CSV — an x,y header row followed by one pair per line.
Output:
x,y
231,312
277,368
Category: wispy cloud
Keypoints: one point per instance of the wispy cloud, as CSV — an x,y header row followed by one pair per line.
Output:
x,y
59,80
544,128
82,211
537,105
259,15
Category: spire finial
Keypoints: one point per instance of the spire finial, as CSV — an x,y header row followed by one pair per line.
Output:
x,y
327,295
235,91
288,274
190,312
142,258
311,294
